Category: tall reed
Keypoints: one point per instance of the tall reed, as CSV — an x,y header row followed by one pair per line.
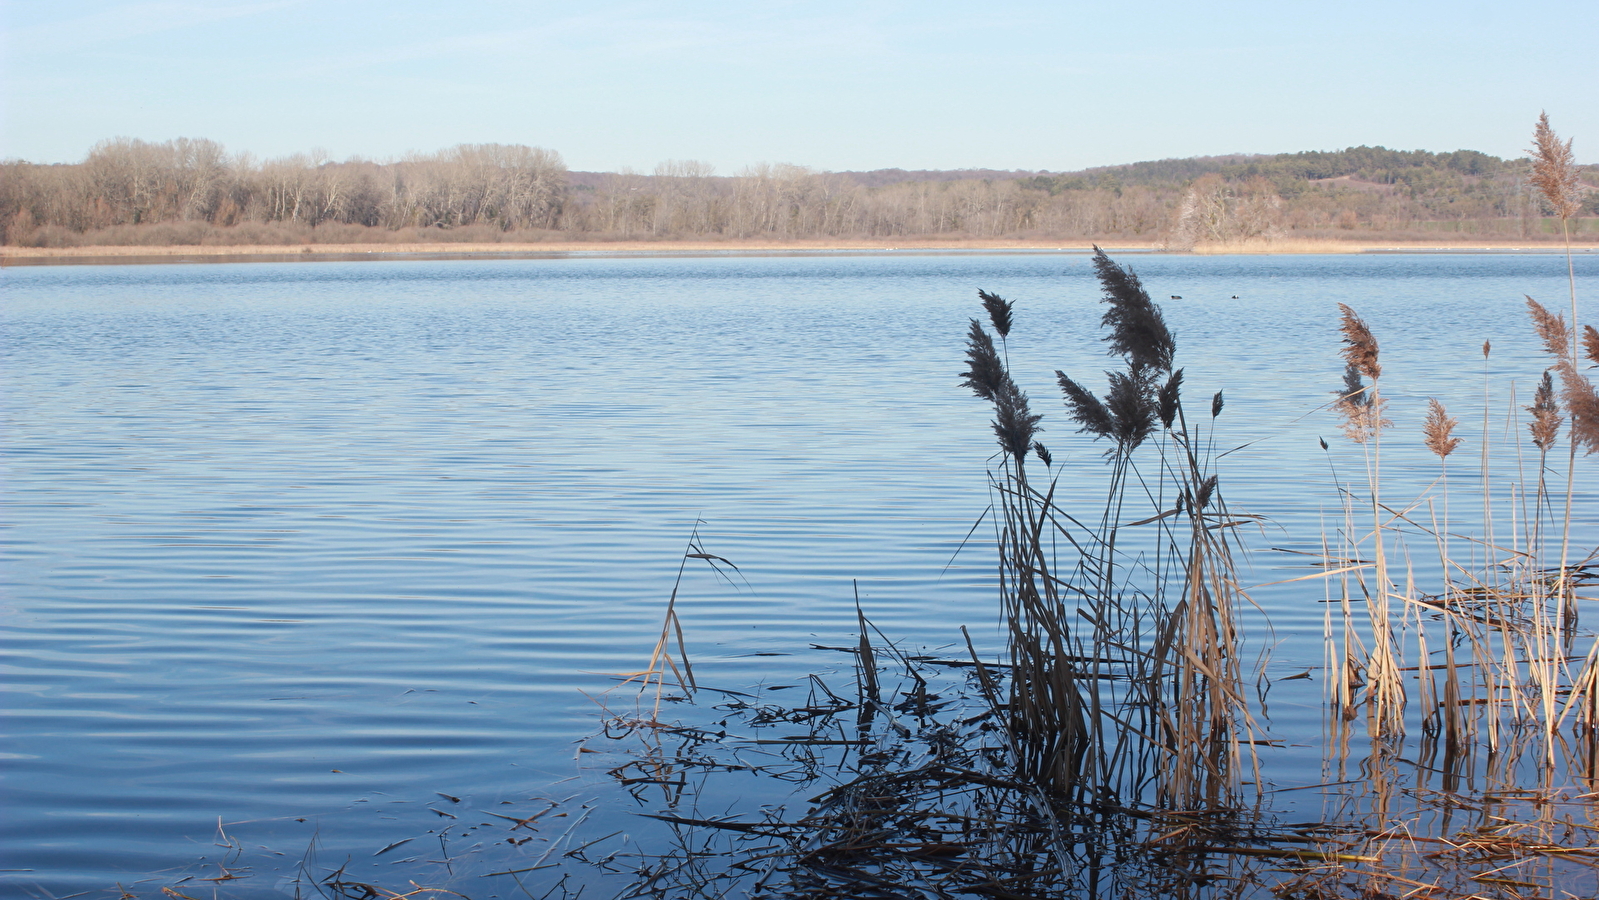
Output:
x,y
1124,672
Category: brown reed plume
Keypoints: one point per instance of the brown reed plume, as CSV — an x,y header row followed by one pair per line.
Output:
x,y
1554,170
1576,391
1360,346
1359,404
1590,343
1438,430
1546,419
1360,407
1551,328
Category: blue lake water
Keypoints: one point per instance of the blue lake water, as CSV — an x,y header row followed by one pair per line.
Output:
x,y
303,547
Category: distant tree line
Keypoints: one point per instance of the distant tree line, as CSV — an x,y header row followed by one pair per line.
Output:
x,y
192,191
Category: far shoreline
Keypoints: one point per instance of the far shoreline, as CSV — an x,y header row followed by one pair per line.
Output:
x,y
217,253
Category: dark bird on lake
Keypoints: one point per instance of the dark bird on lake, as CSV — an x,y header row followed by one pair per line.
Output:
x,y
1176,297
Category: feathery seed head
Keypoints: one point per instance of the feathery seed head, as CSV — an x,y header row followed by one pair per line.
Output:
x,y
1216,405
1170,398
1138,329
1438,429
1545,411
1551,328
1590,344
1554,170
1207,489
1085,408
1360,407
1014,424
1360,346
999,311
1128,402
1582,405
984,374
1042,452
1486,346
1546,418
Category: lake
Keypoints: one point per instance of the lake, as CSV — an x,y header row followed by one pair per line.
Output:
x,y
313,548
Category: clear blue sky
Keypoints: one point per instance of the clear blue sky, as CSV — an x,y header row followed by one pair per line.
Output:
x,y
834,85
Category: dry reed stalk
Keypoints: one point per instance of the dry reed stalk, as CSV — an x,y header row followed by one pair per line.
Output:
x,y
1362,407
1555,176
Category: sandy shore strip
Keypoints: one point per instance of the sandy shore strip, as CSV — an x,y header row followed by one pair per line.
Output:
x,y
323,252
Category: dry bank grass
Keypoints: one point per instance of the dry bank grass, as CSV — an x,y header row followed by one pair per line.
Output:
x,y
262,252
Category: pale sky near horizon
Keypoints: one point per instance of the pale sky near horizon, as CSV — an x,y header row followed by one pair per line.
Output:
x,y
613,84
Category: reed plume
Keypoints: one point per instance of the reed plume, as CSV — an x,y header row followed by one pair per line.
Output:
x,y
1438,430
1576,391
1360,346
1042,452
1170,398
999,312
1137,328
1085,408
1551,328
1358,403
984,374
1546,419
1360,407
1590,344
1554,170
1130,408
1014,424
1582,403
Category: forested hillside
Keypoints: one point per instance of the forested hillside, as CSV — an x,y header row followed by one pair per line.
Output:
x,y
194,192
